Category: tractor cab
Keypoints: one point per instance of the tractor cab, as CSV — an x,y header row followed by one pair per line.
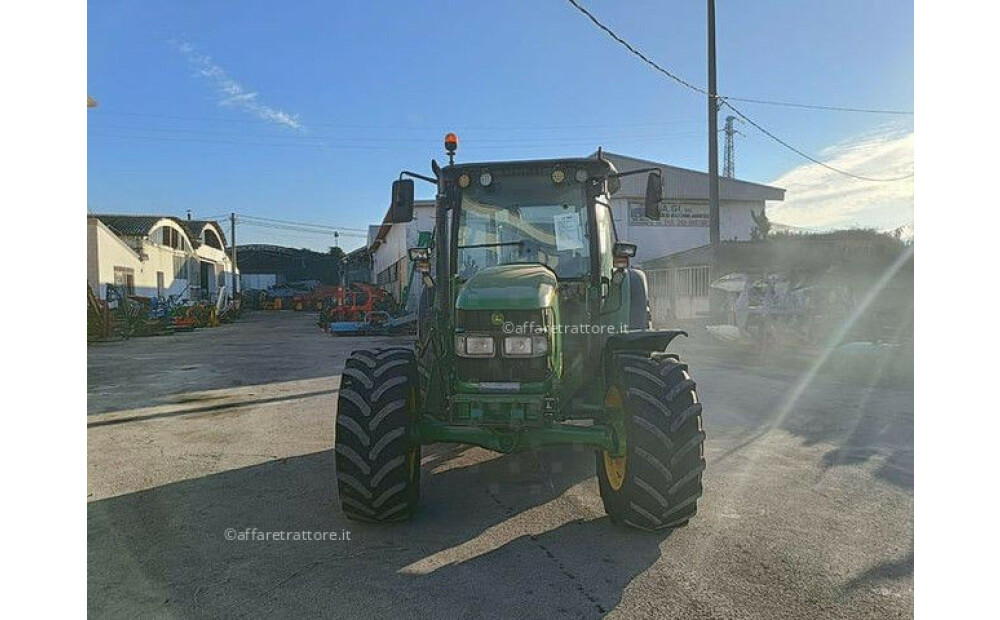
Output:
x,y
531,278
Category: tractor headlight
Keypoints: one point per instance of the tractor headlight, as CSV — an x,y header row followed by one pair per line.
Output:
x,y
474,346
525,346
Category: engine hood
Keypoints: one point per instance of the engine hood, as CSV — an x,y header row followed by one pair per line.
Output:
x,y
509,287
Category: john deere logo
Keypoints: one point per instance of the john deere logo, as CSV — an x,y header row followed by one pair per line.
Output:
x,y
496,319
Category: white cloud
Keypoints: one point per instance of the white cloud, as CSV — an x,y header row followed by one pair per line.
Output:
x,y
232,93
819,198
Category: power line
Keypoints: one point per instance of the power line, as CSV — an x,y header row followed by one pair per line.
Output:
x,y
629,47
809,106
302,229
810,157
344,142
702,91
187,139
722,100
514,145
181,139
462,126
327,226
392,140
325,233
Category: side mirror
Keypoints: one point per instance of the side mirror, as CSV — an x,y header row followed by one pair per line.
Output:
x,y
419,254
401,207
654,194
624,250
622,254
421,258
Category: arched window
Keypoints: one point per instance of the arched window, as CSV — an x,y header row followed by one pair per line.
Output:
x,y
212,239
170,237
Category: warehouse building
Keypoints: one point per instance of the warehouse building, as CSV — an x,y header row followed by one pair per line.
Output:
x,y
262,265
683,222
157,256
679,290
356,266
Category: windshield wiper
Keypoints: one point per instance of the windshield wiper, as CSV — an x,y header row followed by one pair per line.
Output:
x,y
489,245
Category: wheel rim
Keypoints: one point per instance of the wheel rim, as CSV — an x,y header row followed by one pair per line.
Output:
x,y
614,466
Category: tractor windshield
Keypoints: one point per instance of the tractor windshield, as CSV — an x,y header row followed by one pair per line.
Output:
x,y
524,219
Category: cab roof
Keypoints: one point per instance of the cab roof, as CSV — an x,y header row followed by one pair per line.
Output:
x,y
592,164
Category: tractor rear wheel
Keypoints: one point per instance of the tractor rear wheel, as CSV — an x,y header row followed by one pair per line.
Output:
x,y
657,482
378,463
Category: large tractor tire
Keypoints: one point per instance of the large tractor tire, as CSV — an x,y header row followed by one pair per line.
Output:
x,y
378,464
657,483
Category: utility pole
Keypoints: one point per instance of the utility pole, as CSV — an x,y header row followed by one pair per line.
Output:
x,y
340,264
729,169
713,134
232,235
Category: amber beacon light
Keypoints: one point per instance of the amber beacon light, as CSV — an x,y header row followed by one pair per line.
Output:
x,y
451,145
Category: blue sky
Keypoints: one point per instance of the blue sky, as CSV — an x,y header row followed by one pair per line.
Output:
x,y
306,111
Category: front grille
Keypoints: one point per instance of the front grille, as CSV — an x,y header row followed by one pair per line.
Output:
x,y
500,368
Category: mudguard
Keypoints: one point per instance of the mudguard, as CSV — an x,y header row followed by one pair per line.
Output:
x,y
646,341
638,299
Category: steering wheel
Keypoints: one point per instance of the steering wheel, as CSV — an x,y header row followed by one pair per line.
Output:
x,y
530,246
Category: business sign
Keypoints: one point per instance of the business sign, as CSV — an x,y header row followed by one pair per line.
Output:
x,y
671,214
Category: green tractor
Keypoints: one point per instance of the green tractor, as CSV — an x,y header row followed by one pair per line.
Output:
x,y
532,331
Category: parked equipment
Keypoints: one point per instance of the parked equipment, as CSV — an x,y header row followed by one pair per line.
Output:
x,y
350,310
100,323
532,324
373,323
124,316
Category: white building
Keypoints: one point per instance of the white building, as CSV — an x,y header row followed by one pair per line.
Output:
x,y
389,245
157,256
683,223
682,292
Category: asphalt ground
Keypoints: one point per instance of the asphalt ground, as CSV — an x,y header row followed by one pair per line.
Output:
x,y
807,512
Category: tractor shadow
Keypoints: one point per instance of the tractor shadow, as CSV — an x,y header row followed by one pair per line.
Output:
x,y
520,534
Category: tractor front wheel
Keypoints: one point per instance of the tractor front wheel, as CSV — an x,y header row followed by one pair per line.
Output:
x,y
656,483
378,463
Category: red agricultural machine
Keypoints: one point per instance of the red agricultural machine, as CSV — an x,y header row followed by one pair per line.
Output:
x,y
360,308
